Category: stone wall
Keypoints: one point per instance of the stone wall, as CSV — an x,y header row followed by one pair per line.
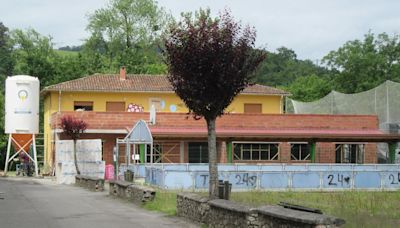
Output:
x,y
193,207
277,216
91,183
141,194
224,213
127,190
119,188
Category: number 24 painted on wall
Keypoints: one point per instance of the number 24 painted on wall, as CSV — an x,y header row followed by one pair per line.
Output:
x,y
246,179
392,178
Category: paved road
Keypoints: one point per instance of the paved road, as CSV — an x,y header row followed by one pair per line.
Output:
x,y
40,203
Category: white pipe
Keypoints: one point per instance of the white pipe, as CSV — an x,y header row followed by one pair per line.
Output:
x,y
151,153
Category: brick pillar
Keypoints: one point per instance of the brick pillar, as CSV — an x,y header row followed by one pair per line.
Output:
x,y
370,153
222,153
284,150
326,152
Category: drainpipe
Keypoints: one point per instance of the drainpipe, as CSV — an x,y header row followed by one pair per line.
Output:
x,y
59,101
55,129
142,153
229,152
392,152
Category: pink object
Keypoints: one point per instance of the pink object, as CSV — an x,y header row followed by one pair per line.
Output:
x,y
109,175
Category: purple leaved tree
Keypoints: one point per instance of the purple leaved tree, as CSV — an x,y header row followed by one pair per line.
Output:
x,y
210,61
73,128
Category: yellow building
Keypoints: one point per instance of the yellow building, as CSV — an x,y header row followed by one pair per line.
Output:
x,y
136,93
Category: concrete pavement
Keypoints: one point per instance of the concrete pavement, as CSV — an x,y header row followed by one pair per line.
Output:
x,y
41,203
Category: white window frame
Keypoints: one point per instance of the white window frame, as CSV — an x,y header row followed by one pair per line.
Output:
x,y
307,158
360,152
275,158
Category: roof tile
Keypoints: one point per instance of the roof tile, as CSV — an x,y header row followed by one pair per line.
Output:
x,y
137,83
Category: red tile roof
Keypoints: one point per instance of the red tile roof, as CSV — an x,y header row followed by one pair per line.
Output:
x,y
279,127
137,83
370,135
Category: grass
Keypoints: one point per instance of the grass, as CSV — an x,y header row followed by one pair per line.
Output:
x,y
358,208
165,201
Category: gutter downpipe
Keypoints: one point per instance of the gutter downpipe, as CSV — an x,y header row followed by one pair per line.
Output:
x,y
59,101
55,130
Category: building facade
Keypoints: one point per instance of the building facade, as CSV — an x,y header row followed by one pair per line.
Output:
x,y
124,94
254,130
241,138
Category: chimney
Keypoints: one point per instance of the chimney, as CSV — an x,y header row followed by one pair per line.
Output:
x,y
122,73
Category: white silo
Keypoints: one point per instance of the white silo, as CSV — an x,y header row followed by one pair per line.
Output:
x,y
22,105
21,115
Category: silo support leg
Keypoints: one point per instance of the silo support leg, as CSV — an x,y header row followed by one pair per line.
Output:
x,y
8,154
35,155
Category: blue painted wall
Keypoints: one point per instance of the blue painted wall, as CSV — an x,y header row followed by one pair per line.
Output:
x,y
273,177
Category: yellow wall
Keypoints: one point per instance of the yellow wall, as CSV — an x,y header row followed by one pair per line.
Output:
x,y
100,99
270,104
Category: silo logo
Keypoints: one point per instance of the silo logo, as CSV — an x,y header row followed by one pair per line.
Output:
x,y
22,95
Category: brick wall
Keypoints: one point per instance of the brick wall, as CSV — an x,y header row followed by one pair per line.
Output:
x,y
325,151
371,153
284,150
122,120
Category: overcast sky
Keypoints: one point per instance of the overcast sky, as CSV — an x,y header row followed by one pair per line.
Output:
x,y
310,27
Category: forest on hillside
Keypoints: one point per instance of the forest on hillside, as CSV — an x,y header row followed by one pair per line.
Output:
x,y
131,35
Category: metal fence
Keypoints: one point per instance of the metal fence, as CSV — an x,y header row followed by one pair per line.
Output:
x,y
269,177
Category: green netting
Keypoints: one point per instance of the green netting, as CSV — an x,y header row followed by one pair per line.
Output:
x,y
383,101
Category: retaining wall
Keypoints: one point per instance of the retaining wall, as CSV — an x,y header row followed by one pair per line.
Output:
x,y
224,213
127,190
91,183
193,207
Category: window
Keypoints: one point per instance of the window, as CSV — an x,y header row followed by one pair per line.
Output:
x,y
157,153
252,108
115,106
256,151
198,152
83,105
157,102
299,152
350,153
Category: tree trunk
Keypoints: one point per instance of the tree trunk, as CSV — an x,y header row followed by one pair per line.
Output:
x,y
76,160
212,160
